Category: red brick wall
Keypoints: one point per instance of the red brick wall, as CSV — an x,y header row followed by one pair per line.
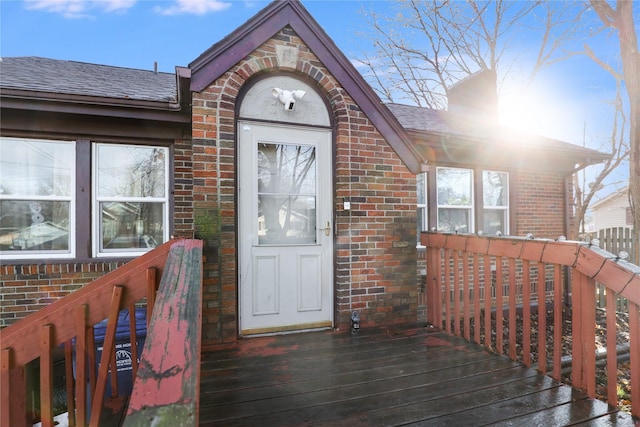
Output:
x,y
375,242
25,289
539,204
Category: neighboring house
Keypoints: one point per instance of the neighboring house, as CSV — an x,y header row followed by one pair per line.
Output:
x,y
611,211
272,148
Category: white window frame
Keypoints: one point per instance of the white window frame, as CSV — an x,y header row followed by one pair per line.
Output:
x,y
96,223
424,217
504,208
71,199
470,208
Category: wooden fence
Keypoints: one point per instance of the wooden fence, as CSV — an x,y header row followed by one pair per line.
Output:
x,y
615,240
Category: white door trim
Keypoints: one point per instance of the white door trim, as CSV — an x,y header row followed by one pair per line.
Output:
x,y
284,286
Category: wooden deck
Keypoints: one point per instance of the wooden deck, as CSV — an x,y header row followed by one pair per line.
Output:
x,y
417,376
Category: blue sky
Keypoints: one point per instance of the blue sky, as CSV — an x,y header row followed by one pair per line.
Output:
x,y
136,34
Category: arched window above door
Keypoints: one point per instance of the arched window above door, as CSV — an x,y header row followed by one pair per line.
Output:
x,y
271,99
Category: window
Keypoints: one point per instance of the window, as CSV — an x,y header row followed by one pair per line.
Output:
x,y
131,199
495,201
455,200
286,194
37,198
45,211
457,207
421,181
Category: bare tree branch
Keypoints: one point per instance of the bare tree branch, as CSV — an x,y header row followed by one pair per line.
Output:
x,y
621,20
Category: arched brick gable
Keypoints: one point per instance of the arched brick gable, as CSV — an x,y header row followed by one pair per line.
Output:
x,y
375,260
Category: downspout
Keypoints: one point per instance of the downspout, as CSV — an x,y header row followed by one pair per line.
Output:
x,y
567,220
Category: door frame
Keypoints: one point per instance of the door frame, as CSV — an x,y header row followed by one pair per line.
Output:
x,y
331,286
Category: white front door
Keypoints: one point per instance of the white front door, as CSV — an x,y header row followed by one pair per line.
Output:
x,y
285,228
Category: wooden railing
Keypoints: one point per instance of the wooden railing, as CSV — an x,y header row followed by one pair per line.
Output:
x,y
67,326
166,391
615,240
495,291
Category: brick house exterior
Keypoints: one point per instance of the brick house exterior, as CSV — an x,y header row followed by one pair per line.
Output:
x,y
377,151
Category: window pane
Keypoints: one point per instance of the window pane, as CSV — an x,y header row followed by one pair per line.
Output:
x,y
495,220
422,219
421,179
454,187
286,169
495,188
131,225
454,220
130,171
34,225
36,168
286,219
286,194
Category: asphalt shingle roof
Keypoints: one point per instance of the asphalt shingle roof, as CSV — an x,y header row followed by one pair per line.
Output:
x,y
420,119
55,76
441,121
78,78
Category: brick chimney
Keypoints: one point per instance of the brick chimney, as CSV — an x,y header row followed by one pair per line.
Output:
x,y
475,97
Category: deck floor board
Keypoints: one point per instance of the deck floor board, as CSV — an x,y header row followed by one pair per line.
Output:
x,y
414,376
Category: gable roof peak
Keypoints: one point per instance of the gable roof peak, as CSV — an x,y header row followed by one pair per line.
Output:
x,y
244,39
239,44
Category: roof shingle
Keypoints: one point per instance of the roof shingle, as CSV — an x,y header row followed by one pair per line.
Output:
x,y
78,78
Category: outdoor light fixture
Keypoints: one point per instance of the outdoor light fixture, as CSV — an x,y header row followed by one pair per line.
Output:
x,y
287,97
594,242
529,236
480,233
355,322
561,238
499,233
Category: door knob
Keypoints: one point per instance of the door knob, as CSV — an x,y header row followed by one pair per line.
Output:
x,y
327,229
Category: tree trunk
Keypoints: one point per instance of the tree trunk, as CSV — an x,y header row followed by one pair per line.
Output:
x,y
631,67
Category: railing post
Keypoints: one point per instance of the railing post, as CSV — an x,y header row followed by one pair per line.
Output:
x,y
634,340
476,298
512,309
6,367
542,317
68,363
499,306
486,263
456,292
166,389
46,376
81,365
557,322
583,331
526,313
465,297
612,362
434,287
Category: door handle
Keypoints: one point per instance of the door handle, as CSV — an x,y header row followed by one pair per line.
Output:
x,y
327,229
